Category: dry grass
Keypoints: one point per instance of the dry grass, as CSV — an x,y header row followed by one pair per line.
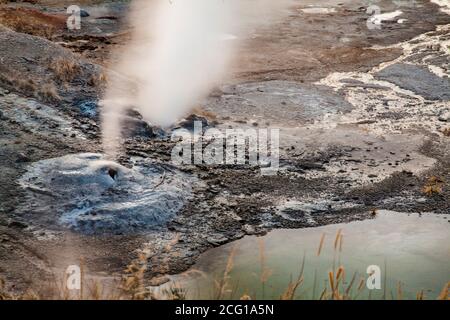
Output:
x,y
433,186
48,92
133,280
446,132
98,80
25,85
65,69
322,239
222,285
132,285
445,293
203,113
32,21
30,88
289,293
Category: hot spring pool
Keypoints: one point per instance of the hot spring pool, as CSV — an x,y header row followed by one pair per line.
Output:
x,y
410,249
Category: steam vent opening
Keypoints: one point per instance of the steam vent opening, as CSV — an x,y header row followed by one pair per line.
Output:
x,y
112,173
88,194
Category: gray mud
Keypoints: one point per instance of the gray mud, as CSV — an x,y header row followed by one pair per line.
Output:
x,y
89,194
418,79
276,102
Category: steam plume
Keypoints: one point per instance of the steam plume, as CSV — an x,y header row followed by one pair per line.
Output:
x,y
179,50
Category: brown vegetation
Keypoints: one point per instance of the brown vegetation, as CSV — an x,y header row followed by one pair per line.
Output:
x,y
446,132
132,285
30,88
98,80
31,21
48,92
433,186
65,69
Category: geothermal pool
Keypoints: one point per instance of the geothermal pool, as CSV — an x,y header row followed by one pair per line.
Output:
x,y
410,249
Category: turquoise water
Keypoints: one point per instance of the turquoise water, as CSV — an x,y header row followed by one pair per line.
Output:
x,y
410,249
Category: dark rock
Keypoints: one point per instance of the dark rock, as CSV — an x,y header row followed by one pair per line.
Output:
x,y
22,157
356,83
417,79
310,166
88,108
188,123
17,224
249,229
217,240
84,13
133,127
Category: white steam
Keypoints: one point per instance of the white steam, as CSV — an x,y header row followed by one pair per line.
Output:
x,y
179,50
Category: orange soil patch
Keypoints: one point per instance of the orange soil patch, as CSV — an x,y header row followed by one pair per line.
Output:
x,y
32,21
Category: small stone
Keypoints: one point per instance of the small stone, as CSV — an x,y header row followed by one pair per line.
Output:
x,y
436,47
444,117
84,13
134,127
88,108
248,229
17,224
189,122
22,157
217,240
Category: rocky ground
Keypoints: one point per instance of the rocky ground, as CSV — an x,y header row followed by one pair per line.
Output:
x,y
364,118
